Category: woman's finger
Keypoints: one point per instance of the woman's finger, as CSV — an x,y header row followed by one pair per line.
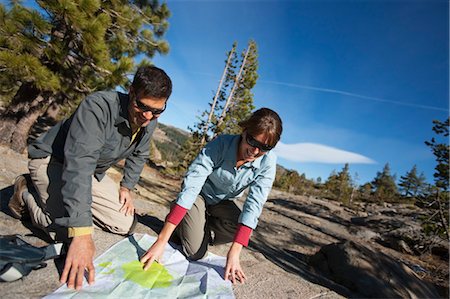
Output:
x,y
149,263
233,276
241,276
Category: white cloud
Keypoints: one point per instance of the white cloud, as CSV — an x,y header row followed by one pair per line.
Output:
x,y
318,153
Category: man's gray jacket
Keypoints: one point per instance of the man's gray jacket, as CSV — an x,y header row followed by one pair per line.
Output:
x,y
94,138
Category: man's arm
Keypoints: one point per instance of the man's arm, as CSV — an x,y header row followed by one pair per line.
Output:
x,y
84,140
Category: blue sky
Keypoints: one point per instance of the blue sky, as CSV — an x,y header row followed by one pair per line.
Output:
x,y
353,81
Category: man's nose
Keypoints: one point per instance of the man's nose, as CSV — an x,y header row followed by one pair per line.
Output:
x,y
148,115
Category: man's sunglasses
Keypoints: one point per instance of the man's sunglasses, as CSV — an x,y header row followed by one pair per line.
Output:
x,y
145,108
255,143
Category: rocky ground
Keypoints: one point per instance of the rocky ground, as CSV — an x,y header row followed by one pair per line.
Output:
x,y
292,229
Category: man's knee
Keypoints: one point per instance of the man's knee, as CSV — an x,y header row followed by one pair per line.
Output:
x,y
123,226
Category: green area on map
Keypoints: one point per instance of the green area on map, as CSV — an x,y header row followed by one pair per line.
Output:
x,y
156,276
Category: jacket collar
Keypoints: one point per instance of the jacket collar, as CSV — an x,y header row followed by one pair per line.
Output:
x,y
123,116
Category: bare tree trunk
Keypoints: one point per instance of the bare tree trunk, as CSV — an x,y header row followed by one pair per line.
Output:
x,y
17,119
444,221
7,127
23,127
230,96
205,129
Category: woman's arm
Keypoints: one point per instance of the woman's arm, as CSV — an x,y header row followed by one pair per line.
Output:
x,y
156,250
233,270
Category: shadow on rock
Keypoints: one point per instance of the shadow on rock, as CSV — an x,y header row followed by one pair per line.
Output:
x,y
152,222
369,273
317,210
5,196
296,263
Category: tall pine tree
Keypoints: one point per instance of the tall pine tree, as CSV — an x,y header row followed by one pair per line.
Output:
x,y
441,151
240,103
67,49
439,222
232,103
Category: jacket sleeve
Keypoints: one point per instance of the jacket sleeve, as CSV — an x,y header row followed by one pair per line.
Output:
x,y
197,173
84,140
257,194
136,161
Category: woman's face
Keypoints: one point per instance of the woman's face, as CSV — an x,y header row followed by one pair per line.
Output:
x,y
253,147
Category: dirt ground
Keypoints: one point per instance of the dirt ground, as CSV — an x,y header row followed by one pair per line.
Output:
x,y
291,229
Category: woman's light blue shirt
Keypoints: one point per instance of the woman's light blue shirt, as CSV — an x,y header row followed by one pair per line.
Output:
x,y
214,175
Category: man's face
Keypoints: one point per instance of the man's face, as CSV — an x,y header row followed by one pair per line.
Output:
x,y
143,109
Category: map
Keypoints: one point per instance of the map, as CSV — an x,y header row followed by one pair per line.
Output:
x,y
119,274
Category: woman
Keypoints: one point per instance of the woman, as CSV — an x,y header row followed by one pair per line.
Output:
x,y
225,167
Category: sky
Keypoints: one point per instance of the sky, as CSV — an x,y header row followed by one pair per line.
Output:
x,y
356,82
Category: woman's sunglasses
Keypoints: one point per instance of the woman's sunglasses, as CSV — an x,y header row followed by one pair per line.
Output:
x,y
255,143
145,108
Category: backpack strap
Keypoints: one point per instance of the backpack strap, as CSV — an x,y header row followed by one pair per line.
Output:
x,y
52,251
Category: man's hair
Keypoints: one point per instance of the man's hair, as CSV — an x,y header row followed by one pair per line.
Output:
x,y
264,121
150,81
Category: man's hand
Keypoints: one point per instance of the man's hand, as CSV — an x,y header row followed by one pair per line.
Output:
x,y
233,270
79,259
153,254
127,201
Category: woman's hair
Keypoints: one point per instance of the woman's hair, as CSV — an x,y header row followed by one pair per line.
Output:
x,y
264,121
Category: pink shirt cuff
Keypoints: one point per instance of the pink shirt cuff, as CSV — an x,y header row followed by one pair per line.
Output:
x,y
242,235
176,214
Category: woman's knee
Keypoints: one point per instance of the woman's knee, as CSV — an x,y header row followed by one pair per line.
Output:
x,y
194,253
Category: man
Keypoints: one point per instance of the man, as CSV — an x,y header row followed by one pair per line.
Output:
x,y
69,192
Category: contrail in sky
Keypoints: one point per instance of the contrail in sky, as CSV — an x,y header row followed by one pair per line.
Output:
x,y
355,95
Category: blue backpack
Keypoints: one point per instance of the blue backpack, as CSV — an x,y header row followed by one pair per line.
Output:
x,y
18,258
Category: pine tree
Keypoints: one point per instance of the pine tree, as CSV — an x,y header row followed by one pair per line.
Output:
x,y
291,181
339,185
384,185
439,197
441,151
240,103
365,192
232,103
412,184
67,49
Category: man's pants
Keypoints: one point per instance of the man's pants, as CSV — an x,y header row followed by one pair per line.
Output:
x,y
195,229
47,204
